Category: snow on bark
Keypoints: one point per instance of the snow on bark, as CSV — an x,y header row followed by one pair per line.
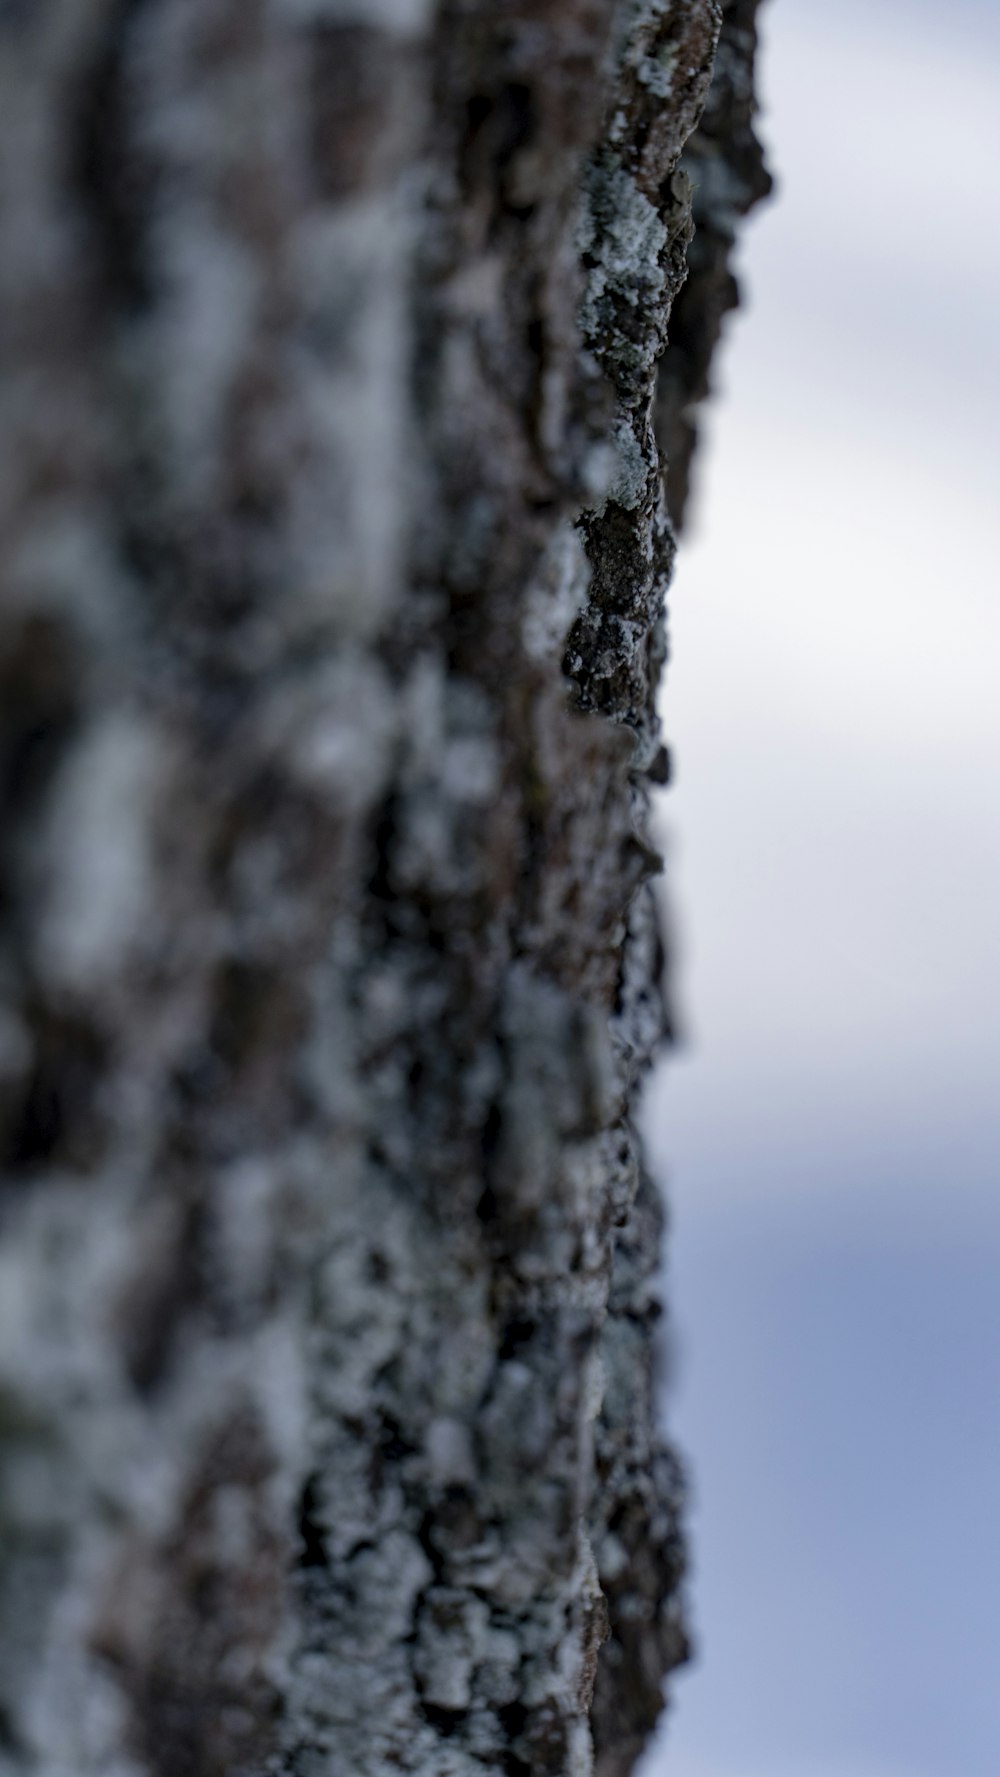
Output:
x,y
334,553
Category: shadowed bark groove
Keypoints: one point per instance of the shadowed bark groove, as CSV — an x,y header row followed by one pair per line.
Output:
x,y
335,551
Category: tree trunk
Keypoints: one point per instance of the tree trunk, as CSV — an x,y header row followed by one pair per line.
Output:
x,y
334,550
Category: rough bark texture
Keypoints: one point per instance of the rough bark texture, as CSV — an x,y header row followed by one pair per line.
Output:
x,y
725,163
334,550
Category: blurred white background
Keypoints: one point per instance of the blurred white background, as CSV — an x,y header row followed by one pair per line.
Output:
x,y
831,1133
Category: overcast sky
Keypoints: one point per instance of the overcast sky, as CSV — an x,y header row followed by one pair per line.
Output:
x,y
831,1134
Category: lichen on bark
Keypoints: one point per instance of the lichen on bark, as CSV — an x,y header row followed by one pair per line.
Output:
x,y
335,553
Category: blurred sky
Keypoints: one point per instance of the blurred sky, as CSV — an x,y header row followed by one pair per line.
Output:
x,y
831,1134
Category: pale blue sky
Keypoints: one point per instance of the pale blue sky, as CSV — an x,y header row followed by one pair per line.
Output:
x,y
831,1135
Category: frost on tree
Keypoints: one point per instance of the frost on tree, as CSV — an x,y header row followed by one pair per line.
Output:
x,y
334,553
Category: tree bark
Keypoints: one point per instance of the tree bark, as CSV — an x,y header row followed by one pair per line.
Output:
x,y
334,550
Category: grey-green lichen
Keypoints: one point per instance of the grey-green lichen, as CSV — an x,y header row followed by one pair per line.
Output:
x,y
622,241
